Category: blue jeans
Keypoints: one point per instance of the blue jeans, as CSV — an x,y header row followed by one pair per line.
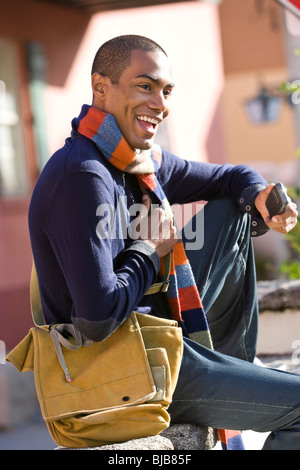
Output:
x,y
225,274
223,388
223,392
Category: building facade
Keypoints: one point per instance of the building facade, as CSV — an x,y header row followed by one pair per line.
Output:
x,y
46,50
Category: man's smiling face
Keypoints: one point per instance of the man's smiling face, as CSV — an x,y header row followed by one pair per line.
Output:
x,y
140,100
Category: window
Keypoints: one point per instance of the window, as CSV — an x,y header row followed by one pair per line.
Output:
x,y
13,172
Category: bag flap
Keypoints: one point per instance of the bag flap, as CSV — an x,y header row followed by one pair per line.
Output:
x,y
22,355
112,373
151,320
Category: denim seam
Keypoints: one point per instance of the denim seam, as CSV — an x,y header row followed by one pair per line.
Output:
x,y
243,345
233,402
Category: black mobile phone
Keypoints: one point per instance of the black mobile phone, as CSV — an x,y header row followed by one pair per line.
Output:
x,y
277,200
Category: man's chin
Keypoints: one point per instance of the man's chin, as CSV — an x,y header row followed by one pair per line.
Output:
x,y
146,145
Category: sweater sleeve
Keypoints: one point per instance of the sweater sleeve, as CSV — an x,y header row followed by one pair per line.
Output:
x,y
187,181
105,281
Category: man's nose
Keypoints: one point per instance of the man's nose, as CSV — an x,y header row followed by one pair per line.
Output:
x,y
159,103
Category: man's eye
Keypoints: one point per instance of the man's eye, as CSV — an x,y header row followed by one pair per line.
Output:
x,y
168,92
145,86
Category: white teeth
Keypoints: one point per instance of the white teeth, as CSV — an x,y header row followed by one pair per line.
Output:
x,y
148,119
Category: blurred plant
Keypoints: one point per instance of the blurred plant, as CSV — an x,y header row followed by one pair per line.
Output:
x,y
291,92
291,268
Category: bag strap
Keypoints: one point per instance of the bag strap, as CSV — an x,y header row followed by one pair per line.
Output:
x,y
58,335
35,299
163,285
57,331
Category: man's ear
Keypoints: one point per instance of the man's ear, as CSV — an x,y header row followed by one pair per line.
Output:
x,y
99,86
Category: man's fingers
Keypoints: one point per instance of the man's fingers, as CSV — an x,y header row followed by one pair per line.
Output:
x,y
261,199
285,222
146,201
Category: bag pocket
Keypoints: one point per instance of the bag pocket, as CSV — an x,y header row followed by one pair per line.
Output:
x,y
110,426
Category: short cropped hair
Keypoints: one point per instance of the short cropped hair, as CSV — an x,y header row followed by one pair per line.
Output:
x,y
114,56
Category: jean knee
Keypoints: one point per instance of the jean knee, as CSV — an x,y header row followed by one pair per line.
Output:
x,y
225,209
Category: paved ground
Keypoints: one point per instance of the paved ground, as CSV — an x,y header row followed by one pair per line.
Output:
x,y
31,436
35,436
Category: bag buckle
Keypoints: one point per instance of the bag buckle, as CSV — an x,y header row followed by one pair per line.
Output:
x,y
164,286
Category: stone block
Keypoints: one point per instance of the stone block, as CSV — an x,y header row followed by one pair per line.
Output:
x,y
191,437
176,437
279,295
145,443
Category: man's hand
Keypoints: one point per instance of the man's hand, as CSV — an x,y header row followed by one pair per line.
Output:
x,y
157,228
282,223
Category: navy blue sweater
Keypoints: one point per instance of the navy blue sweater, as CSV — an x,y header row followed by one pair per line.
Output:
x,y
94,280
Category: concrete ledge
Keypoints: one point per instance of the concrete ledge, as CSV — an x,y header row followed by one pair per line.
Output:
x,y
191,437
278,332
176,437
279,319
146,443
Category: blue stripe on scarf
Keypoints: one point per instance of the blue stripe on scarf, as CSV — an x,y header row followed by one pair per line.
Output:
x,y
185,276
234,443
108,136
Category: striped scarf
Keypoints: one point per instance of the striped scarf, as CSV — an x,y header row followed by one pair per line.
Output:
x,y
183,295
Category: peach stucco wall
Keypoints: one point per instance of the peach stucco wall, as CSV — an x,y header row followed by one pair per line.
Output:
x,y
251,143
255,54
